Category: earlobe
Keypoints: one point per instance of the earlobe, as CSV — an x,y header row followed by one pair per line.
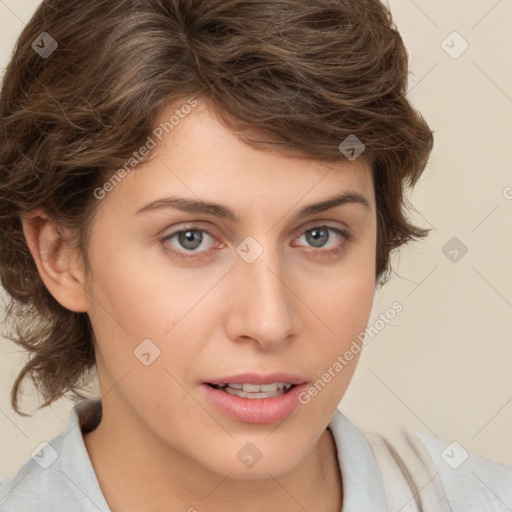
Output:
x,y
56,260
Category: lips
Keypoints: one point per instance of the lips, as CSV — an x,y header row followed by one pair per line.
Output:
x,y
255,398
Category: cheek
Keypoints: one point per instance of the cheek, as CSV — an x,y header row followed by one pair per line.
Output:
x,y
141,297
352,302
132,303
342,308
355,290
346,311
344,301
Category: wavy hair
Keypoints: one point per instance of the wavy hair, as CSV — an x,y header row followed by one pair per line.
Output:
x,y
293,76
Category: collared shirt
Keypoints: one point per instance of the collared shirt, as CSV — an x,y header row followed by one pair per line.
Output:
x,y
411,473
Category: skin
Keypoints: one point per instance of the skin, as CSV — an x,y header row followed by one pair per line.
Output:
x,y
293,309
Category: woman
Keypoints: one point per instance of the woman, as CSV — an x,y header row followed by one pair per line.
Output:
x,y
199,200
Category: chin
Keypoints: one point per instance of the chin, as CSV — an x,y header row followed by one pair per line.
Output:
x,y
256,460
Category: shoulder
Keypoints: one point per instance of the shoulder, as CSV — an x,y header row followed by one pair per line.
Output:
x,y
37,483
471,482
440,476
60,475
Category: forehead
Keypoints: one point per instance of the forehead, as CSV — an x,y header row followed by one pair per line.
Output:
x,y
201,159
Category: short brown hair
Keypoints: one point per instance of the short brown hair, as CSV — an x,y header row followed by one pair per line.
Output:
x,y
292,76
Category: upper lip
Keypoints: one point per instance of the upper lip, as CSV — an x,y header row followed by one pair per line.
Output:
x,y
258,378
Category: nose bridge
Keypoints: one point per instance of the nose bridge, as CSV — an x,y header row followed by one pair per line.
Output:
x,y
263,305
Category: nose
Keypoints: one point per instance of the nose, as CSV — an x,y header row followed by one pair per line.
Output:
x,y
263,305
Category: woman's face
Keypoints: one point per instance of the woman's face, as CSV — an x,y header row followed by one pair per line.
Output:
x,y
262,288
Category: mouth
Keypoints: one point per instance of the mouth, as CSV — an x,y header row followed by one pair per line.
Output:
x,y
254,391
254,398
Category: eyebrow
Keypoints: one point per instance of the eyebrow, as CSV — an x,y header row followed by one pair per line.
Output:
x,y
223,212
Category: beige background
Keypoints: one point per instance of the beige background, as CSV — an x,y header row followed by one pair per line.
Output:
x,y
443,365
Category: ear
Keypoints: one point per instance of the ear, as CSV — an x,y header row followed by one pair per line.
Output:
x,y
58,263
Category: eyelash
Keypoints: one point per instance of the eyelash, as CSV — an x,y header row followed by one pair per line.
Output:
x,y
347,237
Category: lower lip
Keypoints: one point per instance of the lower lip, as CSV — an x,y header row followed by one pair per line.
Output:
x,y
255,410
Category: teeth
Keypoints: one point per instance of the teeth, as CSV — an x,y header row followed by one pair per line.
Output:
x,y
263,388
248,390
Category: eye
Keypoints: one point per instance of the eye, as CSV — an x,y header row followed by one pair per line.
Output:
x,y
320,237
189,240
